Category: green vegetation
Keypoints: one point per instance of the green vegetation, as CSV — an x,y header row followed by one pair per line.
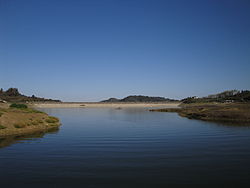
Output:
x,y
52,119
224,97
20,125
35,123
13,95
222,112
30,110
140,98
53,124
2,127
19,119
21,106
25,108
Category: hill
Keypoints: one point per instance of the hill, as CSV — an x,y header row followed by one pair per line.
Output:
x,y
226,96
13,95
139,99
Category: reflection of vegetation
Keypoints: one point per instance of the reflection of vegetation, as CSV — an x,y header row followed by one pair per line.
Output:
x,y
6,141
232,112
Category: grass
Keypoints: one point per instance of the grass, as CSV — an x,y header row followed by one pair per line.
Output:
x,y
19,125
2,127
25,108
2,110
53,124
20,106
52,119
19,120
234,112
30,110
34,123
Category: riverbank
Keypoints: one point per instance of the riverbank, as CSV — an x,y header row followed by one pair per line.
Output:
x,y
22,121
220,112
104,105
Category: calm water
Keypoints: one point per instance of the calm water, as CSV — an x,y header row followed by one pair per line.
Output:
x,y
128,148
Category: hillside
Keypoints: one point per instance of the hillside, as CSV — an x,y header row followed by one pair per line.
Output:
x,y
226,96
139,99
13,95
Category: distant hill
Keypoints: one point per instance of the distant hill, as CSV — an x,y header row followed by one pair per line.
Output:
x,y
139,98
111,100
13,95
226,96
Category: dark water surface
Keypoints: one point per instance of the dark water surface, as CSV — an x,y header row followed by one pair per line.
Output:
x,y
128,148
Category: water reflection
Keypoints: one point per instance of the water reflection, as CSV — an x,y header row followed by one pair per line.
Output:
x,y
222,123
7,141
128,148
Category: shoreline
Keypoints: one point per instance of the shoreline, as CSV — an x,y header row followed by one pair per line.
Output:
x,y
22,121
104,105
215,112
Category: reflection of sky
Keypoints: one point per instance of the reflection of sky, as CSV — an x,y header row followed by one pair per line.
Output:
x,y
110,147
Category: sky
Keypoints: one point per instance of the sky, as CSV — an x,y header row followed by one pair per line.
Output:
x,y
76,50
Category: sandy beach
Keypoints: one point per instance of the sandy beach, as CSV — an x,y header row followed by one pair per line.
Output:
x,y
105,105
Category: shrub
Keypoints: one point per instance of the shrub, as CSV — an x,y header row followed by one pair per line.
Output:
x,y
53,124
30,110
35,123
2,127
22,106
52,119
19,125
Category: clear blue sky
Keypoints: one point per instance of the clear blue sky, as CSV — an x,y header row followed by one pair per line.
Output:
x,y
91,50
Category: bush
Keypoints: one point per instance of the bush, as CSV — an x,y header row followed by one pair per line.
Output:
x,y
22,106
52,119
19,125
35,123
30,110
2,127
